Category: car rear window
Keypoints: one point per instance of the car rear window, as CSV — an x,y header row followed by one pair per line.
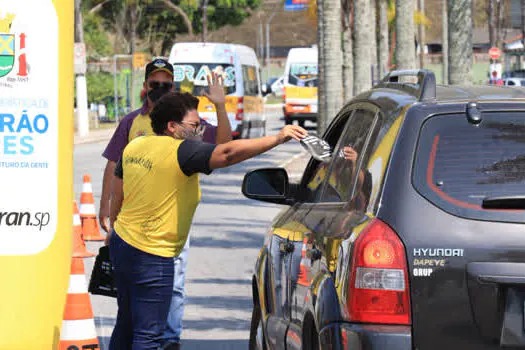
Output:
x,y
458,163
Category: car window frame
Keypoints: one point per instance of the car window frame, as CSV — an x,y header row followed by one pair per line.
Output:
x,y
377,115
313,164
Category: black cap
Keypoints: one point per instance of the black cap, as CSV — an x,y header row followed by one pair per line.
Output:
x,y
158,64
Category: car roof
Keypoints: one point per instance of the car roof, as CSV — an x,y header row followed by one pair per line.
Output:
x,y
450,93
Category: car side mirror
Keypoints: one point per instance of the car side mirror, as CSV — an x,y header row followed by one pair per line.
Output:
x,y
266,89
267,185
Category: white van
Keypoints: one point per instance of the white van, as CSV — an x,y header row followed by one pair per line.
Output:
x,y
239,67
300,85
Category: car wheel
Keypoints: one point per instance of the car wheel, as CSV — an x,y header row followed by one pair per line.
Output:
x,y
288,121
301,123
257,341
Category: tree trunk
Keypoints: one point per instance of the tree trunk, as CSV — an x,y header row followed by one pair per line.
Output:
x,y
383,49
444,36
348,59
492,23
333,58
421,35
523,23
132,45
405,34
373,41
460,41
362,46
204,20
321,100
79,22
184,16
499,31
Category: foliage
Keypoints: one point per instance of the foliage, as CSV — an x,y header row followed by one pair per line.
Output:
x,y
99,86
95,37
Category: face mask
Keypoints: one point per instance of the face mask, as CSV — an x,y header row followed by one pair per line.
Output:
x,y
156,93
189,134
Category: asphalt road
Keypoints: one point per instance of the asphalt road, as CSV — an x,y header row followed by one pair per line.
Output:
x,y
226,236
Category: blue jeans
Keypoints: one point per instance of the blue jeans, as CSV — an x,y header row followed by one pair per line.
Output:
x,y
174,329
144,284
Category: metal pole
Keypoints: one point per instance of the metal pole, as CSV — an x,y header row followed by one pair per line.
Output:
x,y
115,87
268,42
444,46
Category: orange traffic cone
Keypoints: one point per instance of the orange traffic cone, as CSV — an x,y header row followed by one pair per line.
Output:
x,y
79,246
88,214
304,265
78,326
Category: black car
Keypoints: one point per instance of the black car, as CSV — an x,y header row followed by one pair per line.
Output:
x,y
411,236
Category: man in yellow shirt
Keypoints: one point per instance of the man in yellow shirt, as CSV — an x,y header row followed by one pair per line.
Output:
x,y
156,193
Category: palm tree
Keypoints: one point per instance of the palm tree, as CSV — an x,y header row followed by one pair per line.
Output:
x,y
405,35
348,57
373,39
460,41
382,8
332,58
362,47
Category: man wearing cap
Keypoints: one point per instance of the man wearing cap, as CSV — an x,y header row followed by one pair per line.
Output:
x,y
158,81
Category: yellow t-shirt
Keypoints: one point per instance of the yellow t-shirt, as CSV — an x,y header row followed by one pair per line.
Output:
x,y
159,197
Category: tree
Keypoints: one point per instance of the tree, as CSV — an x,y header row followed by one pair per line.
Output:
x,y
96,39
347,47
383,43
321,94
460,41
362,46
332,63
405,35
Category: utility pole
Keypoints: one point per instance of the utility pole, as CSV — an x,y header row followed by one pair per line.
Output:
x,y
268,41
204,20
421,36
444,40
80,79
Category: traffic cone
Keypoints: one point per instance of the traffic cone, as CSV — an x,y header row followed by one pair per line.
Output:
x,y
88,214
79,246
304,265
78,325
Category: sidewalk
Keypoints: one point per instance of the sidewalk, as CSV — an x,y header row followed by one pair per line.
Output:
x,y
95,135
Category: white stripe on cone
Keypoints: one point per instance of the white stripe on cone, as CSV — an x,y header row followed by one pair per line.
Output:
x,y
76,220
78,330
87,188
87,209
77,284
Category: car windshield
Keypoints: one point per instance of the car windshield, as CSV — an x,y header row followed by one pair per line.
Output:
x,y
303,74
191,77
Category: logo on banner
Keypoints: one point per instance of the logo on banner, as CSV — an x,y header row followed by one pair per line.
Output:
x,y
9,55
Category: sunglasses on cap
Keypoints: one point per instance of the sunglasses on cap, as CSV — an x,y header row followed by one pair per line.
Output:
x,y
158,84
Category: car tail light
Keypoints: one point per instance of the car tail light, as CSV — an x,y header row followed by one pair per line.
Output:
x,y
240,109
378,290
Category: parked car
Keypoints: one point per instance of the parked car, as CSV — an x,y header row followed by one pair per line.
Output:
x,y
411,236
274,86
514,82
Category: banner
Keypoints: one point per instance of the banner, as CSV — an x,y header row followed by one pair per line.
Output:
x,y
36,167
295,5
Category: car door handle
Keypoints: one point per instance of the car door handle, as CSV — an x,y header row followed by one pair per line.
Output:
x,y
314,254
